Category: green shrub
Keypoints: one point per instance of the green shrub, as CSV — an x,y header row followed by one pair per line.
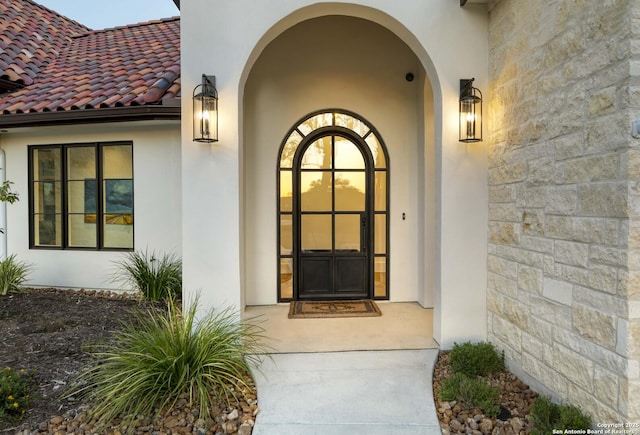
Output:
x,y
479,359
471,393
156,278
547,416
16,392
13,274
165,354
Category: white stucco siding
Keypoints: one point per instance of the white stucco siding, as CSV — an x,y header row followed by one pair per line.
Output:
x,y
157,204
227,38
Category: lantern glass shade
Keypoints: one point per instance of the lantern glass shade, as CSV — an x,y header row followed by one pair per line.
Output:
x,y
470,112
205,111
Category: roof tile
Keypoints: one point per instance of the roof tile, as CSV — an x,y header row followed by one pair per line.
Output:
x,y
66,66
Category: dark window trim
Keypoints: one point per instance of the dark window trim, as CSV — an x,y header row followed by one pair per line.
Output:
x,y
64,180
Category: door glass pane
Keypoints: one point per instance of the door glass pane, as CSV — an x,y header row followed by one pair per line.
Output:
x,y
350,191
316,122
348,156
380,277
286,191
316,231
380,234
316,188
289,150
317,155
376,150
381,191
286,278
348,232
286,234
348,121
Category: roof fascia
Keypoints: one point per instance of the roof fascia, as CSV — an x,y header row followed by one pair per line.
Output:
x,y
90,116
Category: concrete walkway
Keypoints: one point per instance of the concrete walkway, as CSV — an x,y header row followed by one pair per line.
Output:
x,y
334,393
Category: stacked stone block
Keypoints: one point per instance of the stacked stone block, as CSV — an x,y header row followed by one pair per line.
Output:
x,y
564,199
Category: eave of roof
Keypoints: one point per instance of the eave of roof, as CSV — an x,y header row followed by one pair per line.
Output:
x,y
91,116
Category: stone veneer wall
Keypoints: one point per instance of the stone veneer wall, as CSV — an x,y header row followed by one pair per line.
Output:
x,y
564,206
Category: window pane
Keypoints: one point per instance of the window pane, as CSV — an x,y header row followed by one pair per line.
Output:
x,y
82,232
350,191
286,234
82,196
318,155
348,232
348,156
316,232
48,230
380,277
376,151
380,234
118,231
289,150
348,121
286,278
316,191
46,164
81,163
286,191
381,191
47,198
117,161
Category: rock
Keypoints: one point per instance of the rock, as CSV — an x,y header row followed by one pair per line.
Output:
x,y
233,415
56,420
517,424
456,426
245,429
485,426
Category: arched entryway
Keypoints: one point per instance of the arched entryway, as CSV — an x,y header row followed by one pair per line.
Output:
x,y
333,210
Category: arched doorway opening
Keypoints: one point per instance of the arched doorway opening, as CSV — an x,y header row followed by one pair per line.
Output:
x,y
333,209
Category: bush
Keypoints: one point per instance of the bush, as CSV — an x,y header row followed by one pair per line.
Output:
x,y
16,387
157,279
471,393
165,355
12,274
547,416
479,359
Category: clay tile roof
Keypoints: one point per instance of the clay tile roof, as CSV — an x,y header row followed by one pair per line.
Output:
x,y
31,36
131,65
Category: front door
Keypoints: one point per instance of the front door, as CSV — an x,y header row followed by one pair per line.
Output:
x,y
332,220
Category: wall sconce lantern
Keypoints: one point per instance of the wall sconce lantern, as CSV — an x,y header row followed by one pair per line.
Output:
x,y
470,112
205,110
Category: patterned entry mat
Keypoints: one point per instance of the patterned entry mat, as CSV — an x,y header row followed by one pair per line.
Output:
x,y
325,309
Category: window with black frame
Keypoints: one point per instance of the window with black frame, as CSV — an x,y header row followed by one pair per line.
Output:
x,y
81,196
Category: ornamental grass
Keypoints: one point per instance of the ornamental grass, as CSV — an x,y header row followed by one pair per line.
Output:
x,y
166,355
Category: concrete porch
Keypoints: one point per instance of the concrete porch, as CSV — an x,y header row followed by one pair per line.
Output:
x,y
402,326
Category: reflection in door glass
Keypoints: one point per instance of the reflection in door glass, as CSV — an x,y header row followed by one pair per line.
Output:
x,y
348,232
315,232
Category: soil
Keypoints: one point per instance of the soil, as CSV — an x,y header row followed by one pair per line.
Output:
x,y
48,331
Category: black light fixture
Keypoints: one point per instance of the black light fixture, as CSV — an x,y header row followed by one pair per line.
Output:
x,y
470,112
205,110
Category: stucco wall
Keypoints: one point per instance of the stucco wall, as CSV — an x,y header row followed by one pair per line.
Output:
x,y
450,43
157,205
563,296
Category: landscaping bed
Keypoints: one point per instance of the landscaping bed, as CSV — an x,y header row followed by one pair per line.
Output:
x,y
48,332
515,401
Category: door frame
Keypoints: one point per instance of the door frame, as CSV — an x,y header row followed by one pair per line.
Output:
x,y
367,240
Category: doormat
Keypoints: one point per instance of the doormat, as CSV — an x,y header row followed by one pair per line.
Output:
x,y
327,309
